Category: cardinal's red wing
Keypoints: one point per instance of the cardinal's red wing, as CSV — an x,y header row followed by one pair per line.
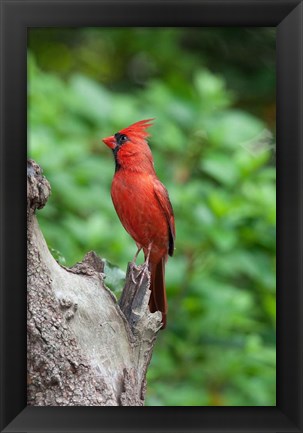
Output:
x,y
163,199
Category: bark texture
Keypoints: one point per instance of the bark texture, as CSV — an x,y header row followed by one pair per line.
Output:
x,y
84,348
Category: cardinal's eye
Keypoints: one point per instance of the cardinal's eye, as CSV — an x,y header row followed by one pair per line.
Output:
x,y
123,138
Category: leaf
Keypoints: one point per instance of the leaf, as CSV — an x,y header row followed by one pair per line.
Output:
x,y
115,277
218,166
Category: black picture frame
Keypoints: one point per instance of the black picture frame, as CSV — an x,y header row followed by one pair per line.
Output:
x,y
16,18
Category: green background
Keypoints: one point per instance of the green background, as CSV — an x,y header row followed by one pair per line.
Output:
x,y
212,93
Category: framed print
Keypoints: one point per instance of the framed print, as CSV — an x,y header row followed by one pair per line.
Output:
x,y
73,72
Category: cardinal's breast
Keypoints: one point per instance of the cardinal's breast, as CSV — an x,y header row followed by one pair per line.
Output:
x,y
136,204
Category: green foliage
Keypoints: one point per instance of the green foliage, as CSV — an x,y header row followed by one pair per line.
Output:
x,y
213,150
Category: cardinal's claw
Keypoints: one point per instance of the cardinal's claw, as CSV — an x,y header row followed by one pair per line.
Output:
x,y
142,272
132,265
133,278
145,266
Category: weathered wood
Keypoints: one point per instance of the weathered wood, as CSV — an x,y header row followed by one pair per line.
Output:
x,y
83,349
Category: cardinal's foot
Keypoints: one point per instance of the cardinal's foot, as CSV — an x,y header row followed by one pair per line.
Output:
x,y
145,267
133,272
137,273
144,271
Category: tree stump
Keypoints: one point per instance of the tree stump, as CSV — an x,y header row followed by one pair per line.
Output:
x,y
83,347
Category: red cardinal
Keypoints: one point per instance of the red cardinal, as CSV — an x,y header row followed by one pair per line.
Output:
x,y
143,206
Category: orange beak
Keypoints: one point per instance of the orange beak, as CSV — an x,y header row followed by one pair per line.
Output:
x,y
110,141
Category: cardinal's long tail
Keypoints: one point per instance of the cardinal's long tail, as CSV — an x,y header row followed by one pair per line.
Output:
x,y
157,301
